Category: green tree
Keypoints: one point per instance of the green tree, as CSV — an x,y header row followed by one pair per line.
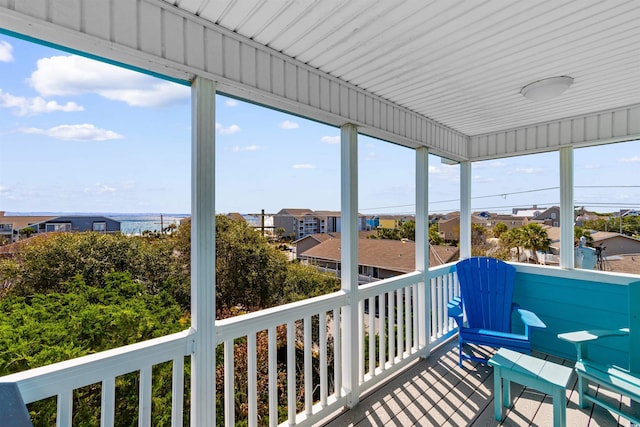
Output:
x,y
499,228
434,235
534,238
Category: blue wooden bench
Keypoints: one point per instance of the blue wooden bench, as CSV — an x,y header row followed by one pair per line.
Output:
x,y
542,375
625,381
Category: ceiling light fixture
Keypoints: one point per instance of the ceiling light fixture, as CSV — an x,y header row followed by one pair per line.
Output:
x,y
544,89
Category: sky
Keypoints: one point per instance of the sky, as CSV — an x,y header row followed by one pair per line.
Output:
x,y
81,136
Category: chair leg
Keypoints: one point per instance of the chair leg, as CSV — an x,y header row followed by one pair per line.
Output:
x,y
583,387
460,353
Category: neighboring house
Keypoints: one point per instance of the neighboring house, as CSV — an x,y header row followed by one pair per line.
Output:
x,y
298,223
615,243
393,221
377,258
629,212
527,212
550,217
13,225
449,229
10,226
509,220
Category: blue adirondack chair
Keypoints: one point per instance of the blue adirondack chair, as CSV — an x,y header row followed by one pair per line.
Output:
x,y
486,288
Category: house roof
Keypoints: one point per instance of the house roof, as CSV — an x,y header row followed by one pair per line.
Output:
x,y
19,222
393,255
446,75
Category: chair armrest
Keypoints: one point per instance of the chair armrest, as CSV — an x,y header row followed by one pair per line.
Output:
x,y
581,338
530,319
455,310
592,335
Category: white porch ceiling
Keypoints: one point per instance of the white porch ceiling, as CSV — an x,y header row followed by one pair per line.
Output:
x,y
461,63
444,74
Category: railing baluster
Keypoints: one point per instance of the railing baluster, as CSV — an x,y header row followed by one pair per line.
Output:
x,y
400,310
392,333
252,375
107,402
65,409
177,392
324,390
433,309
382,336
291,372
337,353
308,377
372,337
439,308
144,417
361,341
416,314
273,376
408,320
229,380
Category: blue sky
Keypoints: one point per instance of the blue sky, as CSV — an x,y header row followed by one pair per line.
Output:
x,y
77,135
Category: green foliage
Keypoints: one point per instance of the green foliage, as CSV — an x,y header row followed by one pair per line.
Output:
x,y
46,328
531,236
499,228
628,225
65,295
434,235
49,263
406,230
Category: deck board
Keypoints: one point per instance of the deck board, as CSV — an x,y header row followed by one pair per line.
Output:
x,y
437,392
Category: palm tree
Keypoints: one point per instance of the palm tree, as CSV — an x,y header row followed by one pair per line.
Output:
x,y
535,237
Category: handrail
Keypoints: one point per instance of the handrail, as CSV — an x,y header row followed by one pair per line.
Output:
x,y
40,383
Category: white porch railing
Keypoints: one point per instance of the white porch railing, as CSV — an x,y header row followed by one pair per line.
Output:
x,y
303,345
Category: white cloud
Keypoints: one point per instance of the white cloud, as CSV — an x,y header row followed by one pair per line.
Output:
x,y
331,139
634,159
287,124
231,103
76,75
100,188
33,106
238,149
303,166
592,166
82,132
229,130
6,52
528,171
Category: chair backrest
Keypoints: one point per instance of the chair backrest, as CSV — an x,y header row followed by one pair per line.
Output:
x,y
486,286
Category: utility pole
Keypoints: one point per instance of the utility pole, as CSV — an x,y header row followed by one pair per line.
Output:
x,y
262,221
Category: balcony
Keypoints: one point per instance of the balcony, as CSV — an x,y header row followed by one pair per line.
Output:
x,y
434,78
384,379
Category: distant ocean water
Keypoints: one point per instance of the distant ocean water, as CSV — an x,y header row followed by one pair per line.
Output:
x,y
137,224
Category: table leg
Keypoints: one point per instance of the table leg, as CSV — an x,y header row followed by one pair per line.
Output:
x,y
497,392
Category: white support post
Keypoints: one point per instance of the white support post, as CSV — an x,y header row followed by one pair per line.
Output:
x,y
203,227
422,248
566,208
465,210
349,261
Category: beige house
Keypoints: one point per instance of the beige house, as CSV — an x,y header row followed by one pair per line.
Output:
x,y
449,229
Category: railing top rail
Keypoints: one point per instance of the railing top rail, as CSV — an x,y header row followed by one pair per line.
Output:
x,y
390,284
46,381
239,326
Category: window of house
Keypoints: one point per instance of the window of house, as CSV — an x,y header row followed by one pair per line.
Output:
x,y
64,226
100,227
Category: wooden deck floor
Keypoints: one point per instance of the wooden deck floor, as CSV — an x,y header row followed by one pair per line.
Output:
x,y
437,392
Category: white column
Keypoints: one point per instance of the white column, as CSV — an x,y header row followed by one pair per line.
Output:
x,y
422,247
349,260
465,210
566,208
203,279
